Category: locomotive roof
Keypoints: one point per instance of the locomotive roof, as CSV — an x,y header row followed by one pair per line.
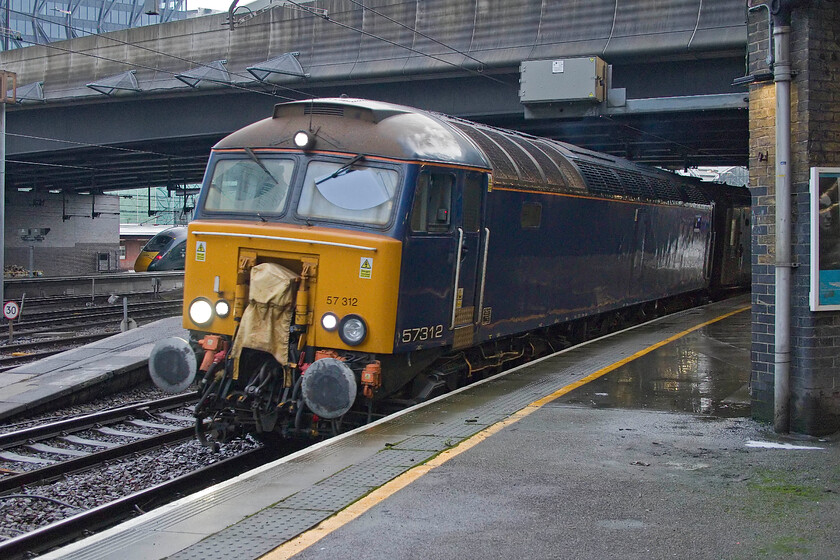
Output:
x,y
361,126
376,128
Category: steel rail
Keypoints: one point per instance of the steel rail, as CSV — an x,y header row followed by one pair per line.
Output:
x,y
9,348
63,468
93,320
67,530
86,421
33,318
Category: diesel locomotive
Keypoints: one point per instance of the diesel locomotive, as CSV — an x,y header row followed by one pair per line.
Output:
x,y
348,257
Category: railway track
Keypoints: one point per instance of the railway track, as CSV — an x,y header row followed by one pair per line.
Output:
x,y
41,453
59,330
77,301
69,529
45,321
19,354
50,442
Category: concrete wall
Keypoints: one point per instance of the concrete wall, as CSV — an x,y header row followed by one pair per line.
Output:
x,y
132,251
499,33
815,100
72,245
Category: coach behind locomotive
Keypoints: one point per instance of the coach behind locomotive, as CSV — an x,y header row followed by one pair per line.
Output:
x,y
348,256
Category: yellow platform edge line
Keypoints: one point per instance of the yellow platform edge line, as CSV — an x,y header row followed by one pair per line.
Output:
x,y
348,514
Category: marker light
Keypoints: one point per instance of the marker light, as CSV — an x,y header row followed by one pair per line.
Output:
x,y
304,140
201,311
352,330
329,321
222,308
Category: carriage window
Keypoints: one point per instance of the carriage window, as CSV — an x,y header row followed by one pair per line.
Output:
x,y
531,216
358,193
432,203
158,243
245,185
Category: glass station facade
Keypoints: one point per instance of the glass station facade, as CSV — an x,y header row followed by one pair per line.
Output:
x,y
38,22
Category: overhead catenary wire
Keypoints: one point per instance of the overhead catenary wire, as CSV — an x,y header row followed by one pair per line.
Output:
x,y
93,145
133,65
414,30
156,69
234,86
306,9
258,90
326,17
43,164
655,136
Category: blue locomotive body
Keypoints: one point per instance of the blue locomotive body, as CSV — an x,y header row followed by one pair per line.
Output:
x,y
511,249
350,256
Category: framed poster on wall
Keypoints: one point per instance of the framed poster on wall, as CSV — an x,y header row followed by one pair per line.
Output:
x,y
825,238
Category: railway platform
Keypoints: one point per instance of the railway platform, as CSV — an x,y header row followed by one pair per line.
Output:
x,y
61,378
636,445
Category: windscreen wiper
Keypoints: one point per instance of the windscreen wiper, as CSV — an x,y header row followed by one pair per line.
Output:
x,y
343,169
259,162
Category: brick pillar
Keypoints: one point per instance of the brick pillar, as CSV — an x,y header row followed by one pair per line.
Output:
x,y
815,121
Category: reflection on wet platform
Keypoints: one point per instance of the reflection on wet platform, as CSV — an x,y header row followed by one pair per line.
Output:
x,y
706,372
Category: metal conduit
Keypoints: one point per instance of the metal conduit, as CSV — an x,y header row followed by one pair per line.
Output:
x,y
784,263
781,409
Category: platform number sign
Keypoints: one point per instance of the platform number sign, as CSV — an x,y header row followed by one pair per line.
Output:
x,y
11,310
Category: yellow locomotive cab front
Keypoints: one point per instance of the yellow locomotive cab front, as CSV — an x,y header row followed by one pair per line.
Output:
x,y
343,286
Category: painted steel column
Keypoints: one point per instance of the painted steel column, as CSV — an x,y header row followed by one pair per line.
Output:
x,y
781,72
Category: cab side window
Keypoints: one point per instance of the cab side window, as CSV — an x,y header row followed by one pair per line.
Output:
x,y
432,208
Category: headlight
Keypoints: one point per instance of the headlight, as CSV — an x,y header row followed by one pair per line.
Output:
x,y
304,140
329,321
201,311
222,308
352,330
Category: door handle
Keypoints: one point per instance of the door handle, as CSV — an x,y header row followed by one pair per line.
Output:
x,y
458,260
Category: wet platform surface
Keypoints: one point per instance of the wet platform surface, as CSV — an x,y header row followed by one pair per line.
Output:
x,y
613,449
46,381
704,372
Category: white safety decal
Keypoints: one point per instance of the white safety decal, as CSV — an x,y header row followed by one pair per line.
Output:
x,y
200,251
366,268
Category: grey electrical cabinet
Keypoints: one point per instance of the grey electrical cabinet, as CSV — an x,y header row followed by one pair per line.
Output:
x,y
563,79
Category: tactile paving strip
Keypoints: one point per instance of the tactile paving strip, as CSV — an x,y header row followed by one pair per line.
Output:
x,y
425,443
325,496
257,535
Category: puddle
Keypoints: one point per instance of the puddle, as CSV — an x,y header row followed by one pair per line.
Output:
x,y
703,373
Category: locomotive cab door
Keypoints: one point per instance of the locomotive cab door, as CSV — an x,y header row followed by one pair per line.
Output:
x,y
472,242
444,258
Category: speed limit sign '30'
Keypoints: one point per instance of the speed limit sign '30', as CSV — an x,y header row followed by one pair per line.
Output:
x,y
11,310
